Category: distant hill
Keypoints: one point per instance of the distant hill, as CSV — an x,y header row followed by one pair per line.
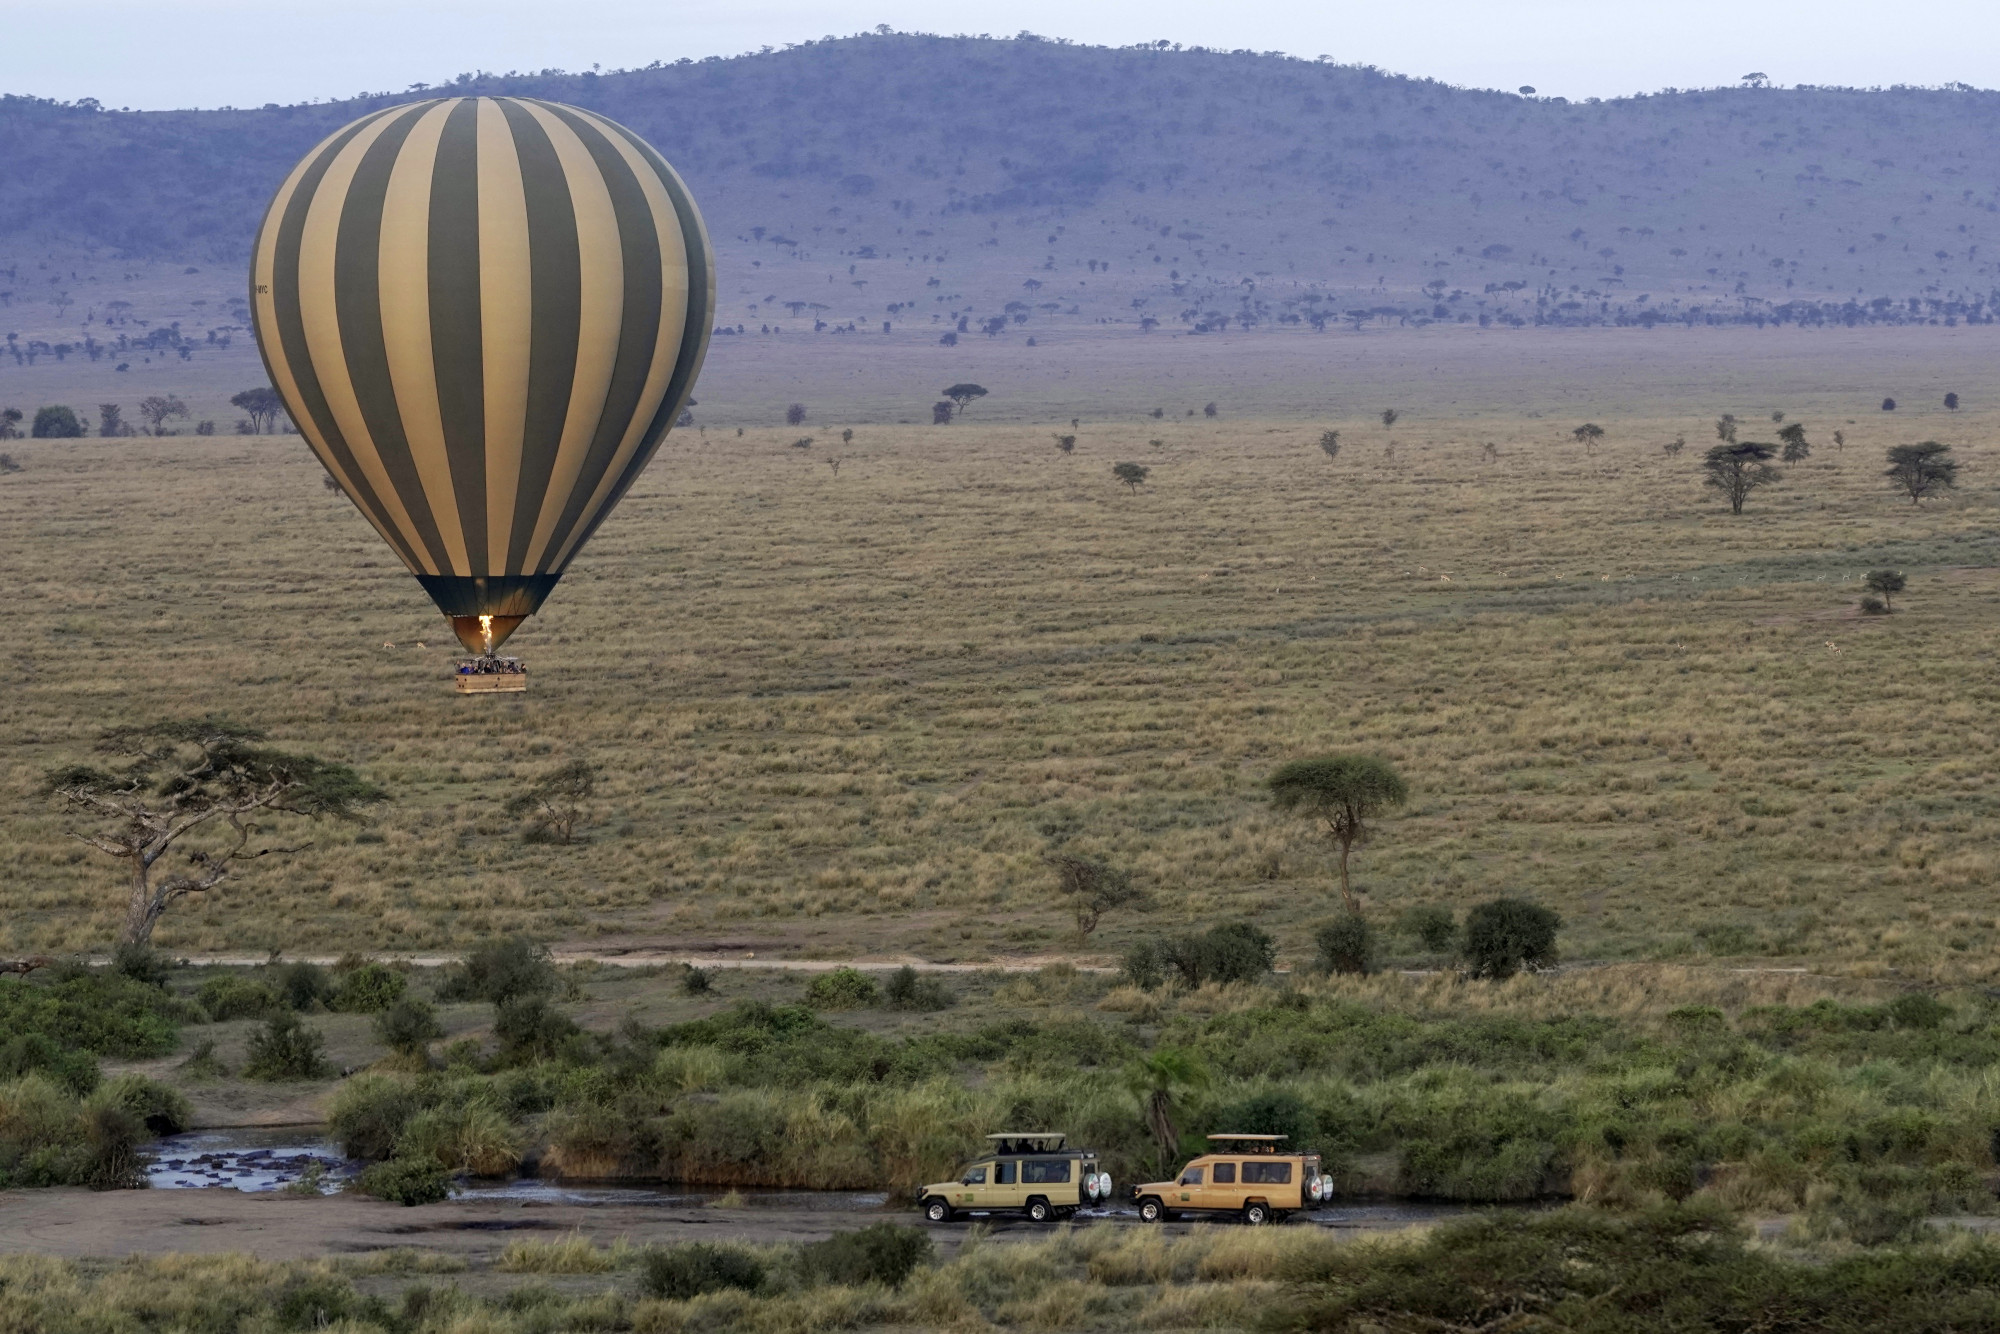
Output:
x,y
1017,183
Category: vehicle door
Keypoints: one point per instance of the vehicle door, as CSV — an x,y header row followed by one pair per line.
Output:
x,y
1006,1192
1049,1178
974,1186
1223,1190
1190,1192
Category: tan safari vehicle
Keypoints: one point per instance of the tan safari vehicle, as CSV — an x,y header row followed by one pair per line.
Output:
x,y
1025,1173
1250,1176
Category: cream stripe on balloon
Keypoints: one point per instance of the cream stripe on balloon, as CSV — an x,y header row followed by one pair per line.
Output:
x,y
263,283
319,310
506,315
600,323
404,279
673,323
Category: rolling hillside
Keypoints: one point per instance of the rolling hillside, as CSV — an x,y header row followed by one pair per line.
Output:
x,y
1001,187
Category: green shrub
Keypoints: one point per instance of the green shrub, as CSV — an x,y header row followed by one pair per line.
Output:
x,y
143,964
37,1053
1346,945
695,981
233,996
1231,952
1142,966
1506,935
884,1253
162,1110
48,1137
305,986
369,989
842,989
501,971
102,1012
406,1181
1919,1009
56,423
409,1026
529,1028
677,1273
368,1115
909,990
1431,926
284,1048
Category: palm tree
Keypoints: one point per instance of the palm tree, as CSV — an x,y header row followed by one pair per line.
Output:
x,y
1156,1080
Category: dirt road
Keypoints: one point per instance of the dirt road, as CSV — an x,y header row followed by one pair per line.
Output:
x,y
272,1226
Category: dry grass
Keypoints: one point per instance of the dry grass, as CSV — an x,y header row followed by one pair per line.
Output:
x,y
850,713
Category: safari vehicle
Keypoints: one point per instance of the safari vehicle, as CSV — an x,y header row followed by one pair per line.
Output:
x,y
1246,1175
1025,1173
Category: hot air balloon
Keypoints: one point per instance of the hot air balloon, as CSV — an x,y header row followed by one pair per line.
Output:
x,y
483,313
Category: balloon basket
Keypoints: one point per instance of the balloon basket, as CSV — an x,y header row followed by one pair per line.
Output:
x,y
487,675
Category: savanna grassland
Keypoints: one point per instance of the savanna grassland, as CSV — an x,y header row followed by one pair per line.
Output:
x,y
849,711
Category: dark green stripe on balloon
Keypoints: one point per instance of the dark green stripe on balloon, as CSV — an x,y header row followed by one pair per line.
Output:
x,y
456,344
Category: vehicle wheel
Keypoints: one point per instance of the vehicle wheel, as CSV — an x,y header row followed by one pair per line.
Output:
x,y
937,1211
1039,1211
1152,1211
1256,1215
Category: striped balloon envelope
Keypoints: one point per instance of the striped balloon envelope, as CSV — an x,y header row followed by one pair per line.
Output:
x,y
483,314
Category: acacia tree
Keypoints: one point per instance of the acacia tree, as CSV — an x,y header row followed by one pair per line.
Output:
x,y
1738,469
1329,443
1888,583
163,782
1588,435
963,394
1922,470
159,409
1130,473
1093,888
262,406
558,802
795,415
1725,428
1389,416
1346,793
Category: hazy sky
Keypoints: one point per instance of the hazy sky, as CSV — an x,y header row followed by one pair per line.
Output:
x,y
174,53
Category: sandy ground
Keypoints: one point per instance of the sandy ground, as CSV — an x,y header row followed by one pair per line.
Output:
x,y
79,1223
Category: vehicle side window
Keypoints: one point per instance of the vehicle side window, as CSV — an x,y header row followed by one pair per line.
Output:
x,y
1225,1174
1191,1177
975,1176
1005,1176
1268,1174
1045,1172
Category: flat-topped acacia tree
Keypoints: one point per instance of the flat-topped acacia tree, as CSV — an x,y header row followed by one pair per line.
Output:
x,y
1346,793
163,783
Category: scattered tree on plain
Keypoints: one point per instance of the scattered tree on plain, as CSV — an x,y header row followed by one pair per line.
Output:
x,y
941,413
164,781
56,423
10,424
1588,435
110,420
1346,793
795,415
1329,443
1888,583
1208,410
1840,440
1738,469
1132,474
1490,452
1674,446
847,435
262,406
1951,402
558,801
1888,405
1506,935
803,442
156,410
1066,443
1092,888
963,394
1796,448
1725,428
7,464
1922,470
1389,417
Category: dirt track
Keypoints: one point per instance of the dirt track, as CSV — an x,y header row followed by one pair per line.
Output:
x,y
81,1223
